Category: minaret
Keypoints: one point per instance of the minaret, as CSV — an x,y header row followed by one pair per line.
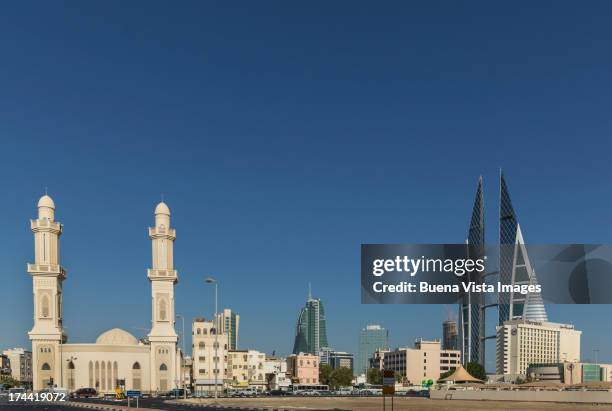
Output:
x,y
162,275
47,334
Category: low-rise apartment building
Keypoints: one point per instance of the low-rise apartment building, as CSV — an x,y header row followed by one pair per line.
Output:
x,y
303,368
209,357
426,361
21,364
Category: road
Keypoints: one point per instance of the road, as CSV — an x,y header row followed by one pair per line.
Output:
x,y
43,406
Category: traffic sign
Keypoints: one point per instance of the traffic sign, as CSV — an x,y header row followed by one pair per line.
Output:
x,y
133,394
388,382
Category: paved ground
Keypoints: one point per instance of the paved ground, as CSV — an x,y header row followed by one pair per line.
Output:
x,y
357,404
55,406
400,404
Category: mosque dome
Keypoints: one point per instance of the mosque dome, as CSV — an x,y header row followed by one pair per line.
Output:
x,y
162,208
116,336
46,201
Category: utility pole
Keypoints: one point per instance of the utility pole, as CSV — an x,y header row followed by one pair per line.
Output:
x,y
183,356
211,280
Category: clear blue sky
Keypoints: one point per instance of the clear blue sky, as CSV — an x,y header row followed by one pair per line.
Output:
x,y
284,135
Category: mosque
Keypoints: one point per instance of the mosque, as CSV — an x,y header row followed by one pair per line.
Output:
x,y
116,357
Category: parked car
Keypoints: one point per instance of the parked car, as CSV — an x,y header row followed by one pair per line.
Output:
x,y
177,392
246,393
85,393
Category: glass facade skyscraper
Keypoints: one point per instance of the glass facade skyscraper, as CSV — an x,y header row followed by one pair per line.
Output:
x,y
311,334
229,324
371,338
471,314
514,266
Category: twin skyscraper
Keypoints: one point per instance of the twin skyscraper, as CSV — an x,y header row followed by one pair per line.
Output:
x,y
514,268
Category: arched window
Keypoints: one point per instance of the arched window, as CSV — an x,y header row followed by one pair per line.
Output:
x,y
199,331
163,310
45,306
201,345
97,375
115,372
45,367
163,367
103,375
109,377
136,376
71,365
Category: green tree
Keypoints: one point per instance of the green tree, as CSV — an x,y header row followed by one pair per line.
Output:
x,y
324,373
375,376
476,370
341,377
9,382
398,376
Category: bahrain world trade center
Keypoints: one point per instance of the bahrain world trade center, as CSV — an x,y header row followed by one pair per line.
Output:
x,y
514,268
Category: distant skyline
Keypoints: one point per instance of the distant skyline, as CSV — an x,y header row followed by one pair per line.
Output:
x,y
283,136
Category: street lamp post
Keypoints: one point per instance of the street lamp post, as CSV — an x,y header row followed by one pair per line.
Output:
x,y
183,355
211,280
70,362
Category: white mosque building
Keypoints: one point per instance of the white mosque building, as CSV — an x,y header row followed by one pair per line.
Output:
x,y
116,356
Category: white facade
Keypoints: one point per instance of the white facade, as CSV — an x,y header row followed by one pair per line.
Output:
x,y
275,371
116,355
522,342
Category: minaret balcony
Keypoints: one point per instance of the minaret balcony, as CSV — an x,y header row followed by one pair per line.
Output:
x,y
162,232
47,269
161,274
45,225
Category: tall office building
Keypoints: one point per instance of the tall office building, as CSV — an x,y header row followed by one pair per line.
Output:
x,y
310,334
471,312
514,266
371,339
229,324
449,335
521,343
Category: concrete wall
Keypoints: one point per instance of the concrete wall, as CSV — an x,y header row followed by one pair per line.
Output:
x,y
600,397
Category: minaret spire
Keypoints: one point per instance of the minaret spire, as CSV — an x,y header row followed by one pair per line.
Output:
x,y
47,334
163,276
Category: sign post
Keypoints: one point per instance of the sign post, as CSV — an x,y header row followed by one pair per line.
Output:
x,y
133,394
388,386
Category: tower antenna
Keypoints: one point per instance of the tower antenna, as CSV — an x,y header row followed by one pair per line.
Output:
x,y
309,291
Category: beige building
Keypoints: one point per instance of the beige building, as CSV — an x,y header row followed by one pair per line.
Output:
x,y
116,355
245,368
238,369
21,364
520,343
303,368
426,361
209,357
